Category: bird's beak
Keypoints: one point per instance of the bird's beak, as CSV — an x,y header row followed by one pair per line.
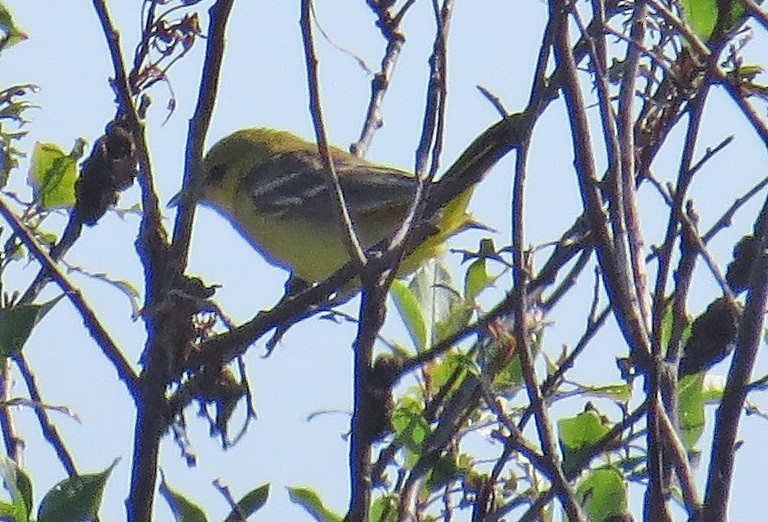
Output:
x,y
186,196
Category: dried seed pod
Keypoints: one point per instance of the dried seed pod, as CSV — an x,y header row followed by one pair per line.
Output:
x,y
744,255
712,337
111,168
379,403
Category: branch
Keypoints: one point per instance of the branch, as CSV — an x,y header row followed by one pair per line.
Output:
x,y
50,432
616,280
14,445
520,278
375,291
364,429
160,271
127,112
754,10
124,371
725,219
349,234
750,333
198,125
755,119
390,28
604,443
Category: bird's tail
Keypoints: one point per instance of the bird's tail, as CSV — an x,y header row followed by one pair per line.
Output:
x,y
477,159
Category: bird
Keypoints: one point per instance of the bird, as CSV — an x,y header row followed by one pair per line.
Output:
x,y
270,186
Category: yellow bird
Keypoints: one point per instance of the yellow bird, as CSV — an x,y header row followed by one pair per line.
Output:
x,y
269,184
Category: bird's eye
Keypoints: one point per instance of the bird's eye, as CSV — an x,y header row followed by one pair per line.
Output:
x,y
216,174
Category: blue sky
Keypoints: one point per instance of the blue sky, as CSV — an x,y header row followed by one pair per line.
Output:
x,y
494,43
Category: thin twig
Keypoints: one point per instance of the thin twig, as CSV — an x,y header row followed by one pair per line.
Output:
x,y
753,117
198,128
750,334
727,217
159,275
349,234
754,10
390,29
124,370
14,445
615,279
676,449
50,432
520,277
681,28
606,441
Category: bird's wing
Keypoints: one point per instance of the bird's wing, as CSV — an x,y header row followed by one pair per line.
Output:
x,y
294,184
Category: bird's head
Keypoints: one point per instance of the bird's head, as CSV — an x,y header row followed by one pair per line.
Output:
x,y
232,157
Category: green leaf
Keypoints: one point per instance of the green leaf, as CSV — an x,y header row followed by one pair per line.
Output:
x,y
432,286
12,513
702,15
510,378
13,34
253,501
477,278
603,493
409,425
75,499
429,306
748,72
52,174
408,307
666,323
460,314
24,486
18,484
499,357
444,471
579,434
384,509
16,325
690,409
666,326
313,505
182,508
443,369
127,288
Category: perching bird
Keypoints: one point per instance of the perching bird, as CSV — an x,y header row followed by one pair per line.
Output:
x,y
271,187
